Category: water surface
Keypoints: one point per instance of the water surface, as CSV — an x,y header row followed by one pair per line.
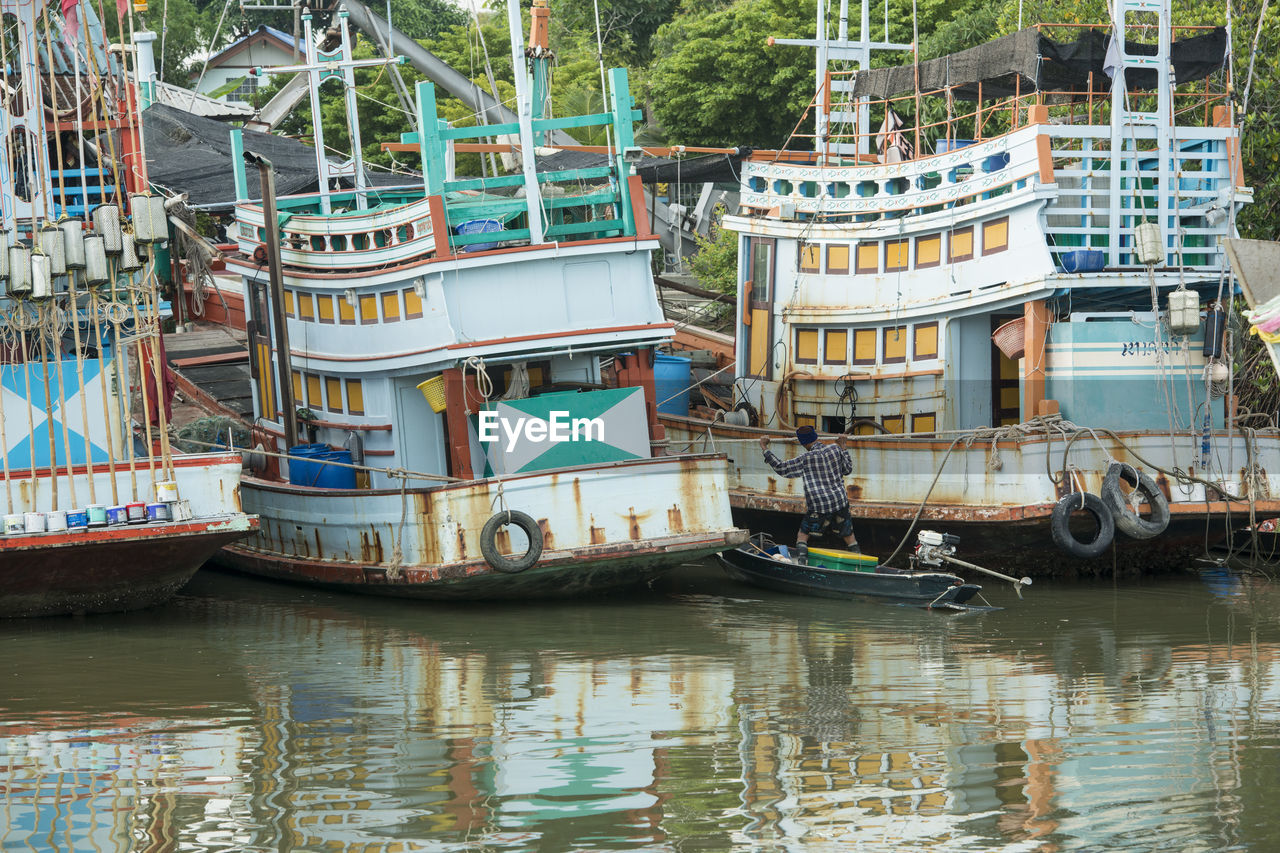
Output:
x,y
699,715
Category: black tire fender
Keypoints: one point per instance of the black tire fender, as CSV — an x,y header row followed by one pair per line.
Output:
x,y
1059,525
1127,521
489,542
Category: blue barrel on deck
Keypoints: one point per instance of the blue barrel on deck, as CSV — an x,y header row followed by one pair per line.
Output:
x,y
302,469
671,380
479,226
333,476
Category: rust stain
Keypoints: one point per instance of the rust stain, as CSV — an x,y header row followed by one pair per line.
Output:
x,y
675,522
302,540
370,546
577,493
855,492
1162,483
597,533
462,543
633,526
549,538
319,550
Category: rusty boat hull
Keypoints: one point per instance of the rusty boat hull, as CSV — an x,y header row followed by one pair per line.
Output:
x,y
998,495
604,527
110,569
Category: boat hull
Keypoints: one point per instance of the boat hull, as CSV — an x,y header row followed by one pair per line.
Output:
x,y
604,527
923,589
110,569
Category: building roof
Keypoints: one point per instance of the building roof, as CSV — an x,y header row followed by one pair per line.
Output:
x,y
262,33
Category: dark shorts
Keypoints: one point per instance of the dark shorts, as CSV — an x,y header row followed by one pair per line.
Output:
x,y
839,522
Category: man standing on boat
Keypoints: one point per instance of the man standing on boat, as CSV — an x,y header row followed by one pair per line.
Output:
x,y
824,467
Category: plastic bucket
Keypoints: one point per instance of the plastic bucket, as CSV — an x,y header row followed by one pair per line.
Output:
x,y
136,512
334,476
167,492
97,515
78,519
672,376
1083,260
159,512
33,522
56,520
116,515
301,467
433,390
14,523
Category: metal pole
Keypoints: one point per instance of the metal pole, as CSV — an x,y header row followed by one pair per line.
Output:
x,y
1017,583
283,365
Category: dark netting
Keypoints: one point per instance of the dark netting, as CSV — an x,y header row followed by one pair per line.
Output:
x,y
1027,61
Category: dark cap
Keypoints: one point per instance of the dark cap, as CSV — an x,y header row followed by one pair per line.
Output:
x,y
806,435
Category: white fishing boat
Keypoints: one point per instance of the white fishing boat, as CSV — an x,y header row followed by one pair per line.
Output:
x,y
1017,311
99,513
461,371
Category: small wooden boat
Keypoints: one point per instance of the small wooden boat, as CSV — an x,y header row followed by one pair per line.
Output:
x,y
842,574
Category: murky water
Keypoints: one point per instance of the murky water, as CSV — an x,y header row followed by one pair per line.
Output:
x,y
703,715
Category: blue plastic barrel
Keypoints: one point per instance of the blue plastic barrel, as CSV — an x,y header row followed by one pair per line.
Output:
x,y
479,226
333,476
301,467
672,376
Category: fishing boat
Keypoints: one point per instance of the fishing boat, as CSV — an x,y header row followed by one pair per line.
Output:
x,y
1016,312
829,573
98,516
454,379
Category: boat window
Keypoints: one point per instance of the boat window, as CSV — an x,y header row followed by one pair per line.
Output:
x,y
809,189
838,189
924,422
995,162
926,342
897,255
864,346
868,258
317,243
866,189
333,391
314,398
806,346
837,259
810,257
339,242
404,233
761,270
807,420
355,397
368,309
928,251
757,184
324,307
382,237
960,244
346,312
297,388
893,423
995,235
895,344
306,308
391,306
835,346
412,304
288,303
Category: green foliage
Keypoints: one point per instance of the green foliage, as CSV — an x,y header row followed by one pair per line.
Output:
x,y
714,80
626,28
716,263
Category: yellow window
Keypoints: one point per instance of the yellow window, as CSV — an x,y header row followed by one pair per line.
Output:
x,y
324,307
838,259
927,422
893,423
346,312
412,304
391,306
865,428
355,397
807,420
835,349
961,244
313,392
995,235
288,303
306,310
896,255
895,344
810,257
926,345
868,258
368,308
297,388
928,251
807,346
864,346
333,389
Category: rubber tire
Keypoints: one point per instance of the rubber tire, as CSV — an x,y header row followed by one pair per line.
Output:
x,y
1127,521
489,542
1061,531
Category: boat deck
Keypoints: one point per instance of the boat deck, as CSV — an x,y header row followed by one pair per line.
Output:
x,y
211,364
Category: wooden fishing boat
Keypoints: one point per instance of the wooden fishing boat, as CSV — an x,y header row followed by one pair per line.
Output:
x,y
97,515
841,574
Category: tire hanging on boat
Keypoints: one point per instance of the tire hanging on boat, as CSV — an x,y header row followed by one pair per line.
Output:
x,y
489,542
1060,527
1128,521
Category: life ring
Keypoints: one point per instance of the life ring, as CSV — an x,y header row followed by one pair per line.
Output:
x,y
1059,525
489,542
1128,521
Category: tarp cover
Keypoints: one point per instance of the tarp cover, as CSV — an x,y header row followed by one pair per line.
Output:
x,y
1028,61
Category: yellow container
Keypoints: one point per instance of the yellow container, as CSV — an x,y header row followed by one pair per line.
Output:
x,y
433,390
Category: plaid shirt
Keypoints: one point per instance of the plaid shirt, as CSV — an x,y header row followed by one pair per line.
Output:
x,y
824,469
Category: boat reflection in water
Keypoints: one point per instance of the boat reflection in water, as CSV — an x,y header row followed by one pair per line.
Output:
x,y
694,717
